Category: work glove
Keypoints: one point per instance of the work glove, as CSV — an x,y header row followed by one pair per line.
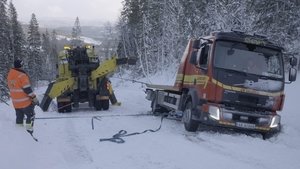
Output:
x,y
35,101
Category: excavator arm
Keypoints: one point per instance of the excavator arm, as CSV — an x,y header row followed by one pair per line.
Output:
x,y
109,66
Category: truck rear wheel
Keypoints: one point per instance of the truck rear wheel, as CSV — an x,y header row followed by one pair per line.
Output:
x,y
101,104
105,104
64,107
189,123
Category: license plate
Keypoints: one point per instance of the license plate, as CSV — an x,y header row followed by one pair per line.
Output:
x,y
245,125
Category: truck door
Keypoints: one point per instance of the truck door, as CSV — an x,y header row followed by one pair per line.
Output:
x,y
199,73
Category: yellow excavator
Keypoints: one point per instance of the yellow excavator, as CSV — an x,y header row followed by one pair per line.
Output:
x,y
81,78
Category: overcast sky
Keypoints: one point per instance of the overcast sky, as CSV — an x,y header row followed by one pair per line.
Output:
x,y
106,10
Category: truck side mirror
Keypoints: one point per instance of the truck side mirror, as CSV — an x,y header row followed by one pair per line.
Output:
x,y
199,57
196,56
293,61
203,56
292,74
193,59
196,44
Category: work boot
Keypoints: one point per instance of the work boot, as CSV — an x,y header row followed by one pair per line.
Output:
x,y
19,125
29,128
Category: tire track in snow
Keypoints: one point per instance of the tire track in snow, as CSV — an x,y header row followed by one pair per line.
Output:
x,y
223,150
76,154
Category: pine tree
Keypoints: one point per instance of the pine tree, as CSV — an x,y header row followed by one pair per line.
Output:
x,y
46,48
53,54
281,16
34,47
109,40
5,51
132,31
18,41
76,33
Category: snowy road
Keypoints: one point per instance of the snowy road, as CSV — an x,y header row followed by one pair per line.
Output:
x,y
71,143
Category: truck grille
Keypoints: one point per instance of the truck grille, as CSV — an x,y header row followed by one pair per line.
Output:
x,y
247,99
260,118
248,119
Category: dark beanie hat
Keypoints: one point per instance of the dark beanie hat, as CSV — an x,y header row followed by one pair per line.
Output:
x,y
18,63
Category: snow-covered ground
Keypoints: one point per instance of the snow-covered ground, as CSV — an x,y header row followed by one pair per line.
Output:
x,y
71,143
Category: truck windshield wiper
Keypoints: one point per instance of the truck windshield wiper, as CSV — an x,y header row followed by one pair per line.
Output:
x,y
268,77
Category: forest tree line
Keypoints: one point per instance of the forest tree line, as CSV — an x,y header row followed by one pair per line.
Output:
x,y
35,49
157,31
38,51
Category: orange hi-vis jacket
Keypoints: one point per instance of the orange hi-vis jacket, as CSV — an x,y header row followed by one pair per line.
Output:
x,y
20,89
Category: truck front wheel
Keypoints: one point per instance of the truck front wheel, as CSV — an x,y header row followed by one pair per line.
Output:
x,y
271,134
189,123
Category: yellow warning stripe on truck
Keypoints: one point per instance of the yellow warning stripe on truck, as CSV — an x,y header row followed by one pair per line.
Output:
x,y
203,80
245,90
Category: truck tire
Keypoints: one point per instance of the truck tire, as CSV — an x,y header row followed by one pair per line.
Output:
x,y
98,105
68,107
189,123
60,107
64,107
269,135
105,104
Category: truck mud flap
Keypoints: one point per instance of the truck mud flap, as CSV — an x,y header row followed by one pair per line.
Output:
x,y
47,99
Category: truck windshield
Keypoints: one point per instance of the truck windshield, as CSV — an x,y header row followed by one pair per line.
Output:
x,y
249,58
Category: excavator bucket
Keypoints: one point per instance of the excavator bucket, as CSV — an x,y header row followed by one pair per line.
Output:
x,y
47,99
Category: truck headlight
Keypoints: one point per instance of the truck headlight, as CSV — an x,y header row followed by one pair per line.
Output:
x,y
275,121
214,112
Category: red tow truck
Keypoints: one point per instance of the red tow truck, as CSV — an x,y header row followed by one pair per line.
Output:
x,y
216,84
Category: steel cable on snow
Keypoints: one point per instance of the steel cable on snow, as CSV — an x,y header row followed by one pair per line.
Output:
x,y
117,138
